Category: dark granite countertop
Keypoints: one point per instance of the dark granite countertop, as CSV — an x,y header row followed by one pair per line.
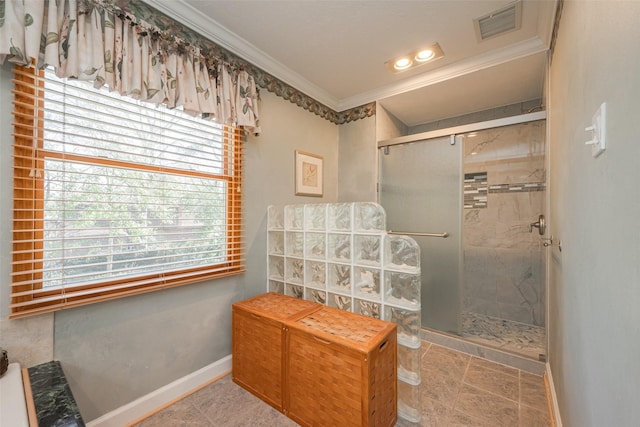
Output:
x,y
52,397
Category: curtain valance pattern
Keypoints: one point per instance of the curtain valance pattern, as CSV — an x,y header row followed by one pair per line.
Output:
x,y
97,41
263,79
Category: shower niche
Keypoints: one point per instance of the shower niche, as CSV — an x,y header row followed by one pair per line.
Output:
x,y
340,255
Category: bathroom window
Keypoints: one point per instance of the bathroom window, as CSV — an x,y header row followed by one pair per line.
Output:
x,y
115,197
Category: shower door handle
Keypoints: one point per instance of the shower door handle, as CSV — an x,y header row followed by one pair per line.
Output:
x,y
540,225
409,233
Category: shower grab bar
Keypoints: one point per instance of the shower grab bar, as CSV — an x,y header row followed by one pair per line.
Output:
x,y
408,233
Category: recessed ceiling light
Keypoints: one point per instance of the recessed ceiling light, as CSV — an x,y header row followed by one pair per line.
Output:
x,y
415,58
402,63
425,55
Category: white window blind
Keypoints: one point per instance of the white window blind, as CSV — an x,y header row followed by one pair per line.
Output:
x,y
114,196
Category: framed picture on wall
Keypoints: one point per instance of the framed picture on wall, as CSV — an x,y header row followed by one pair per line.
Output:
x,y
309,177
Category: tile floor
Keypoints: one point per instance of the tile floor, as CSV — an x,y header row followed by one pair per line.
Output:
x,y
457,390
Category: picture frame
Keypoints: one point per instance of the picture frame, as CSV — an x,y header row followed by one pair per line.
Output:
x,y
308,174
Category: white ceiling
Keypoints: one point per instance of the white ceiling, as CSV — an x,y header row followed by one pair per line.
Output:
x,y
335,50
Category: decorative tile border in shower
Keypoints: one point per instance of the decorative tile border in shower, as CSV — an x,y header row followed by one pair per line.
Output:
x,y
475,190
518,188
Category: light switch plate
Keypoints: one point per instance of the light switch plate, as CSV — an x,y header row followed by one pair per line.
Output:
x,y
598,130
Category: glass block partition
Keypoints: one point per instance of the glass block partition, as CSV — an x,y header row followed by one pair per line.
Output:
x,y
340,254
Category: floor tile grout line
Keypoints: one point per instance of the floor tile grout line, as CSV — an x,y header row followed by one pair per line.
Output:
x,y
519,396
463,382
491,392
455,401
450,408
494,394
211,423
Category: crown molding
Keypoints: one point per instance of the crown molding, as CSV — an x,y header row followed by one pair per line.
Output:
x,y
457,69
547,20
223,37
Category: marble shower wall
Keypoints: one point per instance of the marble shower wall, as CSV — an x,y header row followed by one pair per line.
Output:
x,y
504,193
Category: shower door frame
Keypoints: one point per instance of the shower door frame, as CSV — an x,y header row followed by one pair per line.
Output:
x,y
474,127
458,130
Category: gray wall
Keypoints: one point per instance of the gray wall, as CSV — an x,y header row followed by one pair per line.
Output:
x,y
595,207
269,173
117,351
387,125
358,161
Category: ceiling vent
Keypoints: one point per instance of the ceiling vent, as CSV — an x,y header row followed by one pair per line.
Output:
x,y
503,20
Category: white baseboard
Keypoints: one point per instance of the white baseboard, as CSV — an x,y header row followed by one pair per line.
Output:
x,y
150,402
554,397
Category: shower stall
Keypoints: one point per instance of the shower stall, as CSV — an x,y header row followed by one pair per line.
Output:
x,y
474,199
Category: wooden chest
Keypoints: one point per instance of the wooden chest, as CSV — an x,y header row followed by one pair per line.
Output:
x,y
340,370
258,343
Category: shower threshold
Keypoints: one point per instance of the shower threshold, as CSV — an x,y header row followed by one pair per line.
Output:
x,y
490,349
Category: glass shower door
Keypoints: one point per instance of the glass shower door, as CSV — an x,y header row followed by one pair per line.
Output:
x,y
420,190
504,304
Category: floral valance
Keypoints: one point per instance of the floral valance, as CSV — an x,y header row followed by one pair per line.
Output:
x,y
96,41
263,79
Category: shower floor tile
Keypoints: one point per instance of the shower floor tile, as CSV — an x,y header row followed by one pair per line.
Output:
x,y
519,338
